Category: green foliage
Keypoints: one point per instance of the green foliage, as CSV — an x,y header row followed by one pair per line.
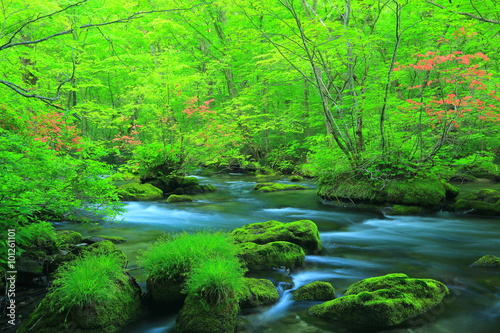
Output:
x,y
42,234
217,280
175,255
90,280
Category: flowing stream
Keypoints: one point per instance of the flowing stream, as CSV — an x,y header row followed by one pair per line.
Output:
x,y
358,244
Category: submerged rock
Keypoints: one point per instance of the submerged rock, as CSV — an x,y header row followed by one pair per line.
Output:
x,y
260,292
383,301
275,187
271,255
303,233
487,261
139,192
315,291
484,202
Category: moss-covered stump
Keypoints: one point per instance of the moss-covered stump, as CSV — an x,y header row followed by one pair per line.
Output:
x,y
259,292
422,192
484,202
271,255
383,301
315,291
166,291
303,233
69,237
275,187
487,261
405,210
90,301
199,317
139,192
173,198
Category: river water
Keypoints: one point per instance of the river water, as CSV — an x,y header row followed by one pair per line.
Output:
x,y
358,244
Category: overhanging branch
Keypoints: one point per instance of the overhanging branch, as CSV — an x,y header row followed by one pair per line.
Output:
x,y
480,18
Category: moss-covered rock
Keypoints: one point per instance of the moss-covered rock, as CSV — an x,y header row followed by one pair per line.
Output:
x,y
405,210
487,261
109,316
383,301
451,191
315,291
69,237
113,239
484,202
275,187
303,233
260,292
423,192
197,189
271,255
139,192
173,198
198,317
295,178
166,291
105,247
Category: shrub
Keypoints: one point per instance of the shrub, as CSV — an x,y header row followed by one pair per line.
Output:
x,y
42,234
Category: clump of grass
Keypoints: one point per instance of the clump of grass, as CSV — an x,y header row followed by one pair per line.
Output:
x,y
175,255
90,280
217,280
206,261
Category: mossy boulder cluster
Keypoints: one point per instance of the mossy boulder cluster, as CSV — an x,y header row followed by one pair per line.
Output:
x,y
421,192
303,233
276,187
484,202
271,255
383,301
318,291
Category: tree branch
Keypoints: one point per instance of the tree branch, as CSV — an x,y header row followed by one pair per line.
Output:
x,y
480,18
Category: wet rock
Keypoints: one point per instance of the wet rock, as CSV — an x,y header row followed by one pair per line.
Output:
x,y
303,233
260,292
315,291
271,255
487,261
383,301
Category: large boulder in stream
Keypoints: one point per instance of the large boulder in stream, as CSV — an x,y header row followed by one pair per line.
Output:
x,y
271,255
383,301
139,192
487,261
303,233
276,187
484,202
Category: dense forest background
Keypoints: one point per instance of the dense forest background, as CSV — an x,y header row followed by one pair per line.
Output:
x,y
371,90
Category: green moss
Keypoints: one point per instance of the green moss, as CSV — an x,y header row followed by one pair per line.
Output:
x,y
487,261
383,301
451,191
360,191
271,255
113,239
259,292
167,290
196,317
405,210
303,233
275,187
173,198
484,202
315,291
139,192
69,237
295,178
427,192
95,229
